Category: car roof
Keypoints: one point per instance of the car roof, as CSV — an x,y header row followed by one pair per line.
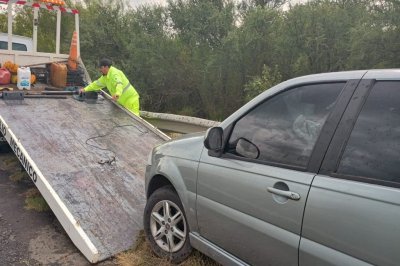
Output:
x,y
379,74
383,74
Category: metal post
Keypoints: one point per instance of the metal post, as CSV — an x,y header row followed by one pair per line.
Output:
x,y
58,32
35,27
10,19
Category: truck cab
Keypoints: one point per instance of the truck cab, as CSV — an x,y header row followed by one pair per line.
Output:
x,y
19,43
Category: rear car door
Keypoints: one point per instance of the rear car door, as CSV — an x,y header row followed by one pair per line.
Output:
x,y
253,208
353,209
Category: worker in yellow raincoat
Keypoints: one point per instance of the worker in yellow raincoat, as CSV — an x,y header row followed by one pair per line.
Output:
x,y
117,84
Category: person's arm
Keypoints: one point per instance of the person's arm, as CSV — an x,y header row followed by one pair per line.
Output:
x,y
96,85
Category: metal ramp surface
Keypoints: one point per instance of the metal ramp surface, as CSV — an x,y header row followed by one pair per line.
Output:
x,y
63,144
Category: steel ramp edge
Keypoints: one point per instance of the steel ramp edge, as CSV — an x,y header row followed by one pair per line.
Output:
x,y
70,225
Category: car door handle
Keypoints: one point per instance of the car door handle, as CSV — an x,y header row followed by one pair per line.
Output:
x,y
284,193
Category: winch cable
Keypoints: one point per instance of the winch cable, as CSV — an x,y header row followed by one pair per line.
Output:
x,y
112,158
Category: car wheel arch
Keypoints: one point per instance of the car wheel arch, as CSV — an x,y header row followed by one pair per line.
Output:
x,y
158,181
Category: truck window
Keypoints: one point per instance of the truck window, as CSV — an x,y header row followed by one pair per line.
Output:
x,y
15,46
373,149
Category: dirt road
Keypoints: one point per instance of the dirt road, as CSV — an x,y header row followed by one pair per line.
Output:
x,y
28,237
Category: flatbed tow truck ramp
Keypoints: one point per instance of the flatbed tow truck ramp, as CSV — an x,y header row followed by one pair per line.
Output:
x,y
88,162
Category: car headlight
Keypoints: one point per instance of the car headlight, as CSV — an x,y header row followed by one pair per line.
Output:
x,y
150,158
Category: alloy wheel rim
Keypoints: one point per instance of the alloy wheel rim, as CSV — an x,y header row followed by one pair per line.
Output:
x,y
168,226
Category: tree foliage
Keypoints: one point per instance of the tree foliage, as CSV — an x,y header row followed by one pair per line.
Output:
x,y
208,57
269,78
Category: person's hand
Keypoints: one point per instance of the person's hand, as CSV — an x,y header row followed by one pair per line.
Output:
x,y
115,97
81,90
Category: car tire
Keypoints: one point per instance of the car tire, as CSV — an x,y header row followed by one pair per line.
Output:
x,y
166,227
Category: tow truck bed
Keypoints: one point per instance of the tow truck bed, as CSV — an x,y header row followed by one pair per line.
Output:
x,y
63,144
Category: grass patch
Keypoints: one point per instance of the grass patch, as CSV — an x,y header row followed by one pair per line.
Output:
x,y
172,135
35,201
142,255
18,176
11,160
11,163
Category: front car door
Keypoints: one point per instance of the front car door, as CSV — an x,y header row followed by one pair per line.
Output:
x,y
353,209
250,203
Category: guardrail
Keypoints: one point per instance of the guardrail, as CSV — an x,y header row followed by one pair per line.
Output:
x,y
177,123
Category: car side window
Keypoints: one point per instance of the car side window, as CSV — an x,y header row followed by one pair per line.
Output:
x,y
285,127
373,149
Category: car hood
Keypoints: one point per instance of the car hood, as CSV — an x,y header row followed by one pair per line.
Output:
x,y
188,147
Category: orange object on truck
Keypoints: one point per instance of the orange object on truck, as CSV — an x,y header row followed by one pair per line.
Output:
x,y
5,76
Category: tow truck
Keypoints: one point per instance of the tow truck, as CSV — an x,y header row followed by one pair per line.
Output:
x,y
87,159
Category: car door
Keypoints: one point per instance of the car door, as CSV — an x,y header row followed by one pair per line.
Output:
x,y
353,209
252,206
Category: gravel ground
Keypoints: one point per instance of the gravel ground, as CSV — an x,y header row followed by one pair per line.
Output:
x,y
29,237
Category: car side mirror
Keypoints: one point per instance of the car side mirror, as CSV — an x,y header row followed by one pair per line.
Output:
x,y
247,149
213,139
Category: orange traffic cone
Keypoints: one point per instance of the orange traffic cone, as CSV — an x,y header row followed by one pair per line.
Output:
x,y
73,53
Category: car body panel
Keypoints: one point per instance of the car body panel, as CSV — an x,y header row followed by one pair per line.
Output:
x,y
353,218
188,147
313,253
213,251
233,204
178,164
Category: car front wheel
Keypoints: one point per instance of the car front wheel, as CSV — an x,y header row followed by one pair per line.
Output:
x,y
166,227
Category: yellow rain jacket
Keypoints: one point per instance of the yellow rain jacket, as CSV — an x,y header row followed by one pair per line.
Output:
x,y
117,84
